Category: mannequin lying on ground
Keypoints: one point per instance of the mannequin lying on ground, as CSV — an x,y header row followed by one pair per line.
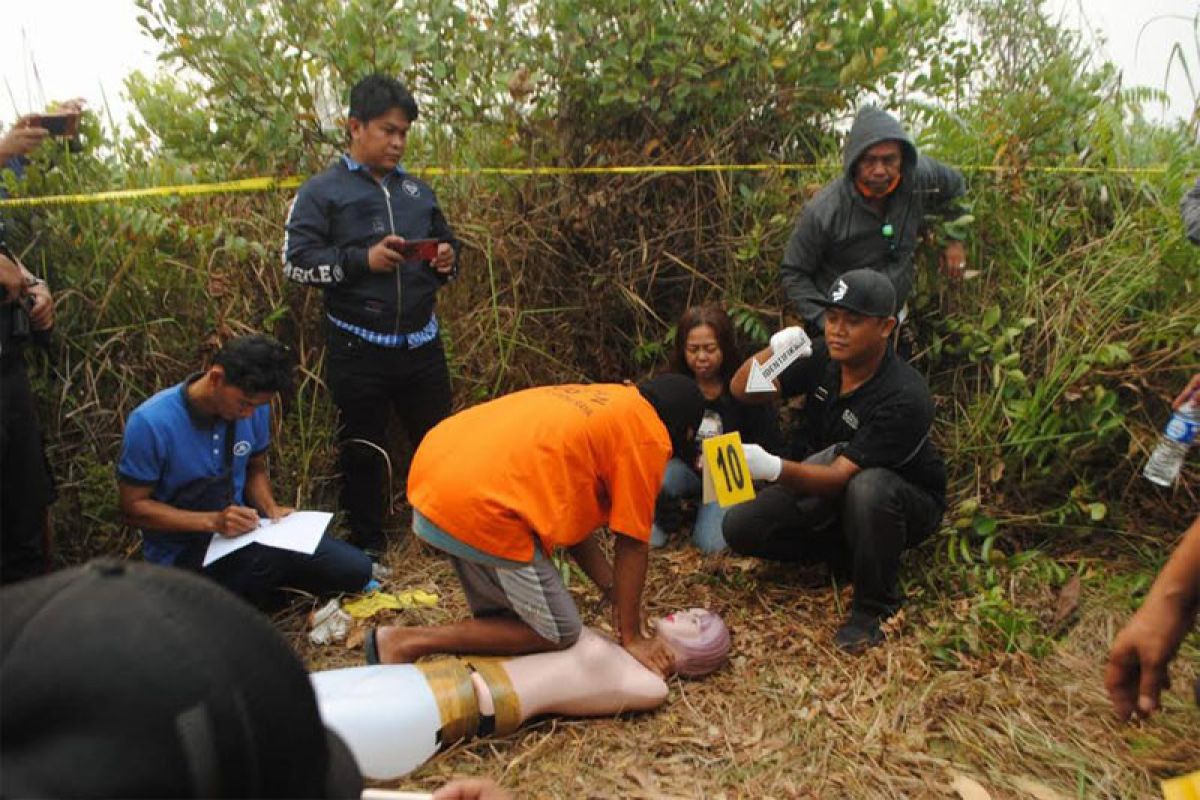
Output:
x,y
395,717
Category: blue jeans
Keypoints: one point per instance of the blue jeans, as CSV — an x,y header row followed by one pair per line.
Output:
x,y
681,482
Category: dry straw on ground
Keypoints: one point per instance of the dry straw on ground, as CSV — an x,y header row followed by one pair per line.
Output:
x,y
792,717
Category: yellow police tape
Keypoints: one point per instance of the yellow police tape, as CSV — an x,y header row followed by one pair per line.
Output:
x,y
273,184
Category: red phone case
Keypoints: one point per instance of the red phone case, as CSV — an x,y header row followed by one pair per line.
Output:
x,y
420,249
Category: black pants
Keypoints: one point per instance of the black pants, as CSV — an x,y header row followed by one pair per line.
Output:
x,y
877,517
367,381
258,573
26,485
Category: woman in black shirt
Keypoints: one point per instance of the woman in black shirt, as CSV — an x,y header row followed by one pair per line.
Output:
x,y
705,351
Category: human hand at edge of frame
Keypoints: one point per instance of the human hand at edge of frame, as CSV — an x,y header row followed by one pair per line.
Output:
x,y
234,521
1137,663
471,789
953,260
22,138
787,338
1190,392
41,313
444,263
763,466
653,654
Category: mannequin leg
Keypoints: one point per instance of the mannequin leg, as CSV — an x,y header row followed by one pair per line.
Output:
x,y
506,636
593,677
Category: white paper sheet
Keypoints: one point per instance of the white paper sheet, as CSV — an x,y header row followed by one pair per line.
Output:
x,y
299,531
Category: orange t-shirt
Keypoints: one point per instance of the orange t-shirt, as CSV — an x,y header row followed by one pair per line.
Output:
x,y
555,462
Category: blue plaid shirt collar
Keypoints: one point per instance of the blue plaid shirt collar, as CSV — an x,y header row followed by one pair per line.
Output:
x,y
354,166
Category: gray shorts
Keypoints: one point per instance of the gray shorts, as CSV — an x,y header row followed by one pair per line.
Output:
x,y
534,593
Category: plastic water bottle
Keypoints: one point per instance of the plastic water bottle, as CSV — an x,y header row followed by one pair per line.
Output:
x,y
1180,433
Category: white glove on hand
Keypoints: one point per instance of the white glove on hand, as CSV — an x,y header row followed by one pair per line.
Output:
x,y
792,337
763,466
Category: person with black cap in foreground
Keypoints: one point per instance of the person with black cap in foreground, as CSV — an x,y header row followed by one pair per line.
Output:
x,y
120,679
500,485
874,483
131,680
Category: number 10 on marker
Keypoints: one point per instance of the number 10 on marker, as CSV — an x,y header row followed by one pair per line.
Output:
x,y
726,478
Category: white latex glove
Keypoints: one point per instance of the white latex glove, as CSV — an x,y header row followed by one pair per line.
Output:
x,y
792,337
763,466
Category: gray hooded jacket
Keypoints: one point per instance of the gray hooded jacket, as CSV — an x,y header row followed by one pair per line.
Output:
x,y
837,230
1190,207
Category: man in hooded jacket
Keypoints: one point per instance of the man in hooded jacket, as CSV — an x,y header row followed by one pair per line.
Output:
x,y
870,217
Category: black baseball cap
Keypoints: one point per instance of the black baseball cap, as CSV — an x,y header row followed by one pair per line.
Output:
x,y
864,291
132,680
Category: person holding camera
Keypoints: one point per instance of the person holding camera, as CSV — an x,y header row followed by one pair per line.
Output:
x,y
376,241
26,316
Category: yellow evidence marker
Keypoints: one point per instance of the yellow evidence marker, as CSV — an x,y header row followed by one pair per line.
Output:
x,y
1186,787
726,478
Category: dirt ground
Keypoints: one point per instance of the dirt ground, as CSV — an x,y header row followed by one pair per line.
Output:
x,y
792,717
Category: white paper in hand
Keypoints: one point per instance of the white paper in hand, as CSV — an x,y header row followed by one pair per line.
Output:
x,y
299,531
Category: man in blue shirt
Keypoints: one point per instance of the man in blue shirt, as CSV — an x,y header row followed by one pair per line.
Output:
x,y
194,463
351,231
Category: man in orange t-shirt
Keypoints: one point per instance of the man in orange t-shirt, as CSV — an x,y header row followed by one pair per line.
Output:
x,y
499,486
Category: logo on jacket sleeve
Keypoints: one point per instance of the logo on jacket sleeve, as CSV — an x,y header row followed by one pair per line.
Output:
x,y
410,188
849,418
241,448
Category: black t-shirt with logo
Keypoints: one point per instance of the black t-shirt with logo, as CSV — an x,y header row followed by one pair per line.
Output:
x,y
885,422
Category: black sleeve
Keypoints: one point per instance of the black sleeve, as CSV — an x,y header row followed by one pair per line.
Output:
x,y
310,254
760,425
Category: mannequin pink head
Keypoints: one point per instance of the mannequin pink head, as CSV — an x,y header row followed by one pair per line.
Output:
x,y
699,640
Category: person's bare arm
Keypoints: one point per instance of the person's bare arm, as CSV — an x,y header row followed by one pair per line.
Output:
x,y
1137,663
629,568
140,510
737,385
818,479
12,280
592,561
1190,392
258,489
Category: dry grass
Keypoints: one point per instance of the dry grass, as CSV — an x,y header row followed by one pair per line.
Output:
x,y
792,717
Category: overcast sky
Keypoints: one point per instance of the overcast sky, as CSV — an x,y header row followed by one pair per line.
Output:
x,y
58,49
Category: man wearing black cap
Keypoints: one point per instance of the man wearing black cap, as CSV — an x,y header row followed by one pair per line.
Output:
x,y
871,216
874,484
499,486
131,680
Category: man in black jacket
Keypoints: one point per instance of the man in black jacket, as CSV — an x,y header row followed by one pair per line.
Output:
x,y
375,240
870,217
